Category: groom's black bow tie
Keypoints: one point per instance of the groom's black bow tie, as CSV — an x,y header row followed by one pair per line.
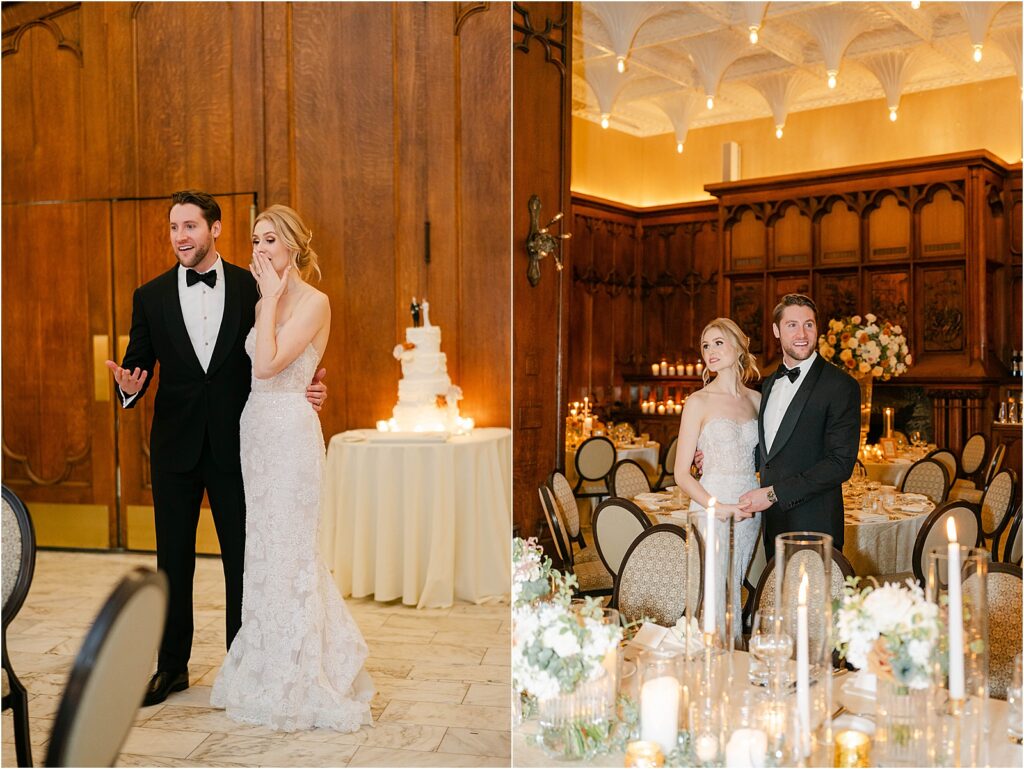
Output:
x,y
792,373
209,278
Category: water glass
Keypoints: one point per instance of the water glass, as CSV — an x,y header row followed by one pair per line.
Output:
x,y
915,438
1014,710
770,647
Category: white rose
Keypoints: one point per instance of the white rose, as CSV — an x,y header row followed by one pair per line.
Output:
x,y
870,318
897,330
855,320
889,605
561,640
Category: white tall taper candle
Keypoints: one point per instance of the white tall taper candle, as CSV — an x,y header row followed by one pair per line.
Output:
x,y
803,702
956,615
710,602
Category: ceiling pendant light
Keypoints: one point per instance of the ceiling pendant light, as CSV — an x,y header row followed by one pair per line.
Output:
x,y
604,120
778,132
832,74
710,102
915,4
892,114
620,64
753,35
679,147
977,52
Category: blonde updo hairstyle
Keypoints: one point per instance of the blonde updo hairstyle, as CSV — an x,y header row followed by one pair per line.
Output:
x,y
296,236
744,358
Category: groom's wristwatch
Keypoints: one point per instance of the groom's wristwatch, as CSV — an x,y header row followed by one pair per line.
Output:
x,y
771,496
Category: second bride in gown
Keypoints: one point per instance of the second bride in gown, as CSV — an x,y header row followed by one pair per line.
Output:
x,y
297,661
720,420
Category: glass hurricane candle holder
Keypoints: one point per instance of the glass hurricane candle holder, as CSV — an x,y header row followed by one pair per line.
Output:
x,y
712,607
661,684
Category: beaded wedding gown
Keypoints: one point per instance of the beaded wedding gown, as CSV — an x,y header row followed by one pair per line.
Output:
x,y
728,472
297,661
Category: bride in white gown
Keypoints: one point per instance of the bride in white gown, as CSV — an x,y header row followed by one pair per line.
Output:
x,y
720,421
297,661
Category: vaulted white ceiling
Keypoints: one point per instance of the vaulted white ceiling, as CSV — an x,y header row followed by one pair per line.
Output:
x,y
677,54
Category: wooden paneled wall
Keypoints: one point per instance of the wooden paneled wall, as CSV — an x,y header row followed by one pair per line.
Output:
x,y
370,119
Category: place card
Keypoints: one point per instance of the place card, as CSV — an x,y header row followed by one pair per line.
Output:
x,y
888,447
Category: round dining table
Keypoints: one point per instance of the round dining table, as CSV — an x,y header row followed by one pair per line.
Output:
x,y
424,518
646,455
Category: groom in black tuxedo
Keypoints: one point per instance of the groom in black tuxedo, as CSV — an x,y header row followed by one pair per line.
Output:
x,y
193,321
809,432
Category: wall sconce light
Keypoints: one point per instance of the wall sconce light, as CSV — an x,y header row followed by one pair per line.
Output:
x,y
540,242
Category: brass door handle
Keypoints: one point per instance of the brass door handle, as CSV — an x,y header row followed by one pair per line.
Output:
x,y
101,375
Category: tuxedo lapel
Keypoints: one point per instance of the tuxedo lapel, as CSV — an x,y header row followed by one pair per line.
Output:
x,y
796,407
229,321
766,390
176,321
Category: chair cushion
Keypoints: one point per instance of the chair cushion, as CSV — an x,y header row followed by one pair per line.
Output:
x,y
966,494
11,537
592,575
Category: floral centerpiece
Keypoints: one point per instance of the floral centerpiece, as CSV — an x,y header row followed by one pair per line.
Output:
x,y
563,654
893,632
872,347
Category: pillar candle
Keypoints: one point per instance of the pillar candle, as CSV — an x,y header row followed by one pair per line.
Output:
x,y
659,712
699,368
661,408
655,369
689,369
888,422
664,368
671,370
956,616
803,701
709,569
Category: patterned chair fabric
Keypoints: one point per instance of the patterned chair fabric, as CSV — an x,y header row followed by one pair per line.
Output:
x,y
1003,587
617,522
11,537
996,504
765,594
933,534
565,503
594,459
947,459
973,454
1012,552
628,479
654,580
927,477
547,504
668,466
591,574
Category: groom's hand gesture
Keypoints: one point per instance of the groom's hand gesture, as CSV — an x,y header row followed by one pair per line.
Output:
x,y
316,391
757,500
130,382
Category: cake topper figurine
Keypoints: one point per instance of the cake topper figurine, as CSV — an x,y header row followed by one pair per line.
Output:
x,y
415,309
425,306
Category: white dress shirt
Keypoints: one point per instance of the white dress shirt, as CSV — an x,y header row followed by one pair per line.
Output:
x,y
202,308
782,394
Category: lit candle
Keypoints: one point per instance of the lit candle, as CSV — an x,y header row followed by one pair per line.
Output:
x,y
659,712
664,368
671,370
679,408
699,368
689,369
382,425
661,408
888,422
709,569
803,701
670,404
956,617
655,369
852,749
586,406
746,747
588,424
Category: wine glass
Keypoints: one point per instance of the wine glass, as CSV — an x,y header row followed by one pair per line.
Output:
x,y
770,646
915,438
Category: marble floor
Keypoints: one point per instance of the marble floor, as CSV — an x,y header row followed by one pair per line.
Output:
x,y
442,677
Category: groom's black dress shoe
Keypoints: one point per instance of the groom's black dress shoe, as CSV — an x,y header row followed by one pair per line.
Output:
x,y
163,683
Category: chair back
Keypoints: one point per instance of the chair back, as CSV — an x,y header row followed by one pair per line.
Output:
x,y
996,463
1012,551
947,459
628,479
566,503
668,465
928,477
547,504
765,593
1003,587
616,523
109,677
19,555
973,455
655,580
997,503
933,534
595,458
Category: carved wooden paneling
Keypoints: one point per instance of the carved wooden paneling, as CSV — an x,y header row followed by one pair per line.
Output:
x,y
747,308
943,318
889,230
791,235
942,225
837,295
746,238
888,297
840,234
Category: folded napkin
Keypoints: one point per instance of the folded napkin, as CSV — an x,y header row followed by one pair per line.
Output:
x,y
913,496
652,497
860,517
910,507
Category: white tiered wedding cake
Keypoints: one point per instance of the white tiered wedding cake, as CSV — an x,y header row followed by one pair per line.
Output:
x,y
427,399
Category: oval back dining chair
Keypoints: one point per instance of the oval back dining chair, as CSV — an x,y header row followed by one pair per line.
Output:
x,y
19,563
928,477
972,457
667,475
110,674
996,463
566,502
947,459
933,534
594,460
617,522
1014,540
996,508
1003,588
655,580
628,479
591,576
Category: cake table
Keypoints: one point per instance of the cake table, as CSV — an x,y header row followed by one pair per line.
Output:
x,y
425,521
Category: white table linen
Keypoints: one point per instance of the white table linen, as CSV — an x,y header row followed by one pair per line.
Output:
x,y
425,522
